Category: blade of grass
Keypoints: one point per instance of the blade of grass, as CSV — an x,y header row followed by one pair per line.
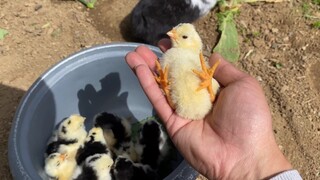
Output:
x,y
88,3
3,33
269,1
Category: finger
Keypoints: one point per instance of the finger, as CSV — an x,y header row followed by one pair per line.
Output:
x,y
148,56
149,85
133,59
164,44
225,73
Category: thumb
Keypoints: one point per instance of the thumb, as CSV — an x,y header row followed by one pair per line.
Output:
x,y
225,73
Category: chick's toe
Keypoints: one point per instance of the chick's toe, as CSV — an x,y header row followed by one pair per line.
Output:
x,y
206,75
162,80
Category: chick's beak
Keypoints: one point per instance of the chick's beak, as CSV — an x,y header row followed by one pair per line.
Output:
x,y
173,34
63,157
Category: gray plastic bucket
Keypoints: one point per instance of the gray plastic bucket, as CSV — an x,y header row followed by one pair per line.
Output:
x,y
91,81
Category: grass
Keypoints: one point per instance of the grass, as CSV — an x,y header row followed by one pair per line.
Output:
x,y
316,25
306,9
256,33
309,13
3,33
316,2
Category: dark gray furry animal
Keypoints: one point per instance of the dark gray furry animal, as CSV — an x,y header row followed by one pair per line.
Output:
x,y
152,19
152,144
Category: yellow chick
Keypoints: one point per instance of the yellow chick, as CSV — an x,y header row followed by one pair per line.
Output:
x,y
183,74
59,166
101,164
96,135
97,166
72,129
94,144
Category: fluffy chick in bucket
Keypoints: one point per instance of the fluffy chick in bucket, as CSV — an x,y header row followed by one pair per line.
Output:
x,y
117,133
59,166
94,144
69,136
97,167
152,144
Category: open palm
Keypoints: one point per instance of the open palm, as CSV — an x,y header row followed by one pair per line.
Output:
x,y
235,140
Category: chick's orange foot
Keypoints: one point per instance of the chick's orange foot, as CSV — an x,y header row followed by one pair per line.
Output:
x,y
206,75
162,80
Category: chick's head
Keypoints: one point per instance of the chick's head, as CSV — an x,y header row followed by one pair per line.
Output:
x,y
96,135
100,162
55,164
185,35
72,126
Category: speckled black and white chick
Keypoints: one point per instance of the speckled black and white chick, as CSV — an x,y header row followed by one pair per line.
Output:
x,y
125,169
94,144
68,137
117,133
54,144
152,145
96,167
151,19
59,166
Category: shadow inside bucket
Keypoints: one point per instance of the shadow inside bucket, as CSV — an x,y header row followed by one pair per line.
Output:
x,y
109,98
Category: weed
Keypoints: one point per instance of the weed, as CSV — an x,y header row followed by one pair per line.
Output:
x,y
316,25
256,33
3,33
305,9
316,2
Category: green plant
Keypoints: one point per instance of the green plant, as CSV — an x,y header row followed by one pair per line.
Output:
x,y
3,33
228,45
256,33
316,2
305,9
277,65
88,3
316,25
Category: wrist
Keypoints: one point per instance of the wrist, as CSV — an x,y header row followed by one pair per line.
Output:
x,y
261,163
271,162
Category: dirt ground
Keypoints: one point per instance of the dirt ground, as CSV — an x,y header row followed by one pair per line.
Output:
x,y
278,47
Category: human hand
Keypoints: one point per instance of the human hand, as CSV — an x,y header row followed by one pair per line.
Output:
x,y
235,140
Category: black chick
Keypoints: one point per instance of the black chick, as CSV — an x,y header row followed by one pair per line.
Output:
x,y
117,133
152,145
151,19
125,169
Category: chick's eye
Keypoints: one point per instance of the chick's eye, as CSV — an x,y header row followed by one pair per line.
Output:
x,y
184,37
58,163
